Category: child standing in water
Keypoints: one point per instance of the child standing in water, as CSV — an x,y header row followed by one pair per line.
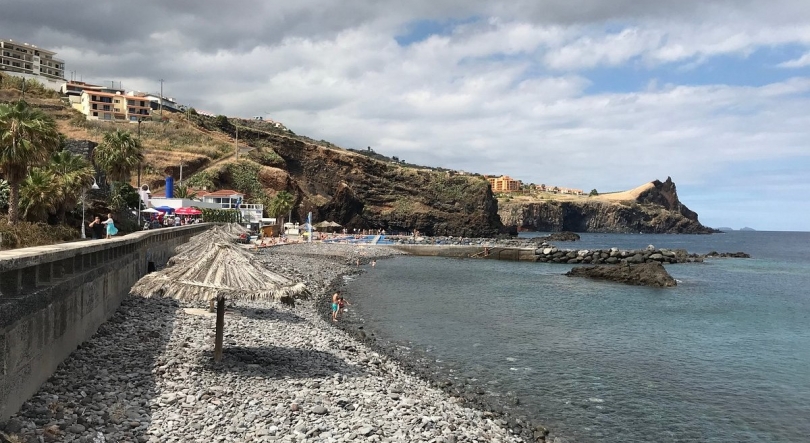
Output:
x,y
342,303
335,305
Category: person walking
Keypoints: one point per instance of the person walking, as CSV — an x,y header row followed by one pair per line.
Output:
x,y
111,229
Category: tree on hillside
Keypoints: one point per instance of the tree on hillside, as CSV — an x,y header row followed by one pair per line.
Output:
x,y
118,155
282,204
27,139
73,174
593,193
39,193
183,191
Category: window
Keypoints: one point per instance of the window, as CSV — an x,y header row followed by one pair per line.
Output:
x,y
95,114
107,116
131,110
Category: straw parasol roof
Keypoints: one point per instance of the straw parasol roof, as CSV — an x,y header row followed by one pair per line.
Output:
x,y
200,242
323,224
212,266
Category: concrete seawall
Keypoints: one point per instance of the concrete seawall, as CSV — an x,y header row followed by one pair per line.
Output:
x,y
460,251
53,298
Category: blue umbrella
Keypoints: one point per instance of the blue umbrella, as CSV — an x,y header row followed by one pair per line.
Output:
x,y
165,209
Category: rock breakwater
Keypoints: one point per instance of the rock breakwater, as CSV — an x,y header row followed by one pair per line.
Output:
x,y
612,256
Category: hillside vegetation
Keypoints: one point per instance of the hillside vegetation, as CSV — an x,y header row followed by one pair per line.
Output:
x,y
358,189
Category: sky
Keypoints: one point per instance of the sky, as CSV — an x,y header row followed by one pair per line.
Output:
x,y
587,94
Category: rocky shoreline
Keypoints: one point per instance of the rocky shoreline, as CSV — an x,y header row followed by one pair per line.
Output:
x,y
497,407
287,375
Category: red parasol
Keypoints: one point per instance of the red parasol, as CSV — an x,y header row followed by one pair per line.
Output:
x,y
187,211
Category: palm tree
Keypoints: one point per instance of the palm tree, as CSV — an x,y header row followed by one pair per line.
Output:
x,y
27,138
39,193
73,174
184,191
281,204
118,155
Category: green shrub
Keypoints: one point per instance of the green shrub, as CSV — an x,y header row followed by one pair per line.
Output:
x,y
25,234
267,157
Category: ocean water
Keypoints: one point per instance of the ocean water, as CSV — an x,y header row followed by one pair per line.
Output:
x,y
723,357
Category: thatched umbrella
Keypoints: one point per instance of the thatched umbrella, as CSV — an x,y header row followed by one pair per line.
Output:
x,y
197,244
218,270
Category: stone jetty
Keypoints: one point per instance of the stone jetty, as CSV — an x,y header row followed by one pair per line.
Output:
x,y
541,250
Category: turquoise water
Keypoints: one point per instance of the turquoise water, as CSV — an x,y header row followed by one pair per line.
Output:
x,y
724,357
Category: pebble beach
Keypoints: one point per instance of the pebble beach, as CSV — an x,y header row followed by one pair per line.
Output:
x,y
288,374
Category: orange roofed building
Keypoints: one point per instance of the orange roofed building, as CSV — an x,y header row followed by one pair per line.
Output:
x,y
504,183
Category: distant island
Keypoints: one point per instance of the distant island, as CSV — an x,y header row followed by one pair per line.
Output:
x,y
726,229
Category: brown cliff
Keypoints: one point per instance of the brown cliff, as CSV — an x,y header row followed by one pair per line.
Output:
x,y
652,209
362,192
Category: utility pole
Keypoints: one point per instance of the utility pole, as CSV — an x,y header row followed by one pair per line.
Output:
x,y
180,182
161,99
236,143
139,140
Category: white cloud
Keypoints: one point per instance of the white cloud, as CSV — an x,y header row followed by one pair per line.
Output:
x,y
508,91
800,62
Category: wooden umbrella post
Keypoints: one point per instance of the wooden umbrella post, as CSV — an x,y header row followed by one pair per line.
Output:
x,y
220,328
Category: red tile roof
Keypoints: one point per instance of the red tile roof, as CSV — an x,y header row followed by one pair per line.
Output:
x,y
221,193
200,193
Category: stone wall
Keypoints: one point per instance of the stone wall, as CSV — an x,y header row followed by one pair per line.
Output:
x,y
610,256
52,298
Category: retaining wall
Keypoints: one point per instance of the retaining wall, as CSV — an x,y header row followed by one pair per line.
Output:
x,y
52,298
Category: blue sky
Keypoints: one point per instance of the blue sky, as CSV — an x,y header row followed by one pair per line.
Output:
x,y
585,94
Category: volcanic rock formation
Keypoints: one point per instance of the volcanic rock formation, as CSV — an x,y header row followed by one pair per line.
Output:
x,y
654,208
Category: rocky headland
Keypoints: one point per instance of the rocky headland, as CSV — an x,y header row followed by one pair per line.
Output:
x,y
651,209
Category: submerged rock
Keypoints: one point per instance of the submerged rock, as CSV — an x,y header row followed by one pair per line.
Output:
x,y
645,274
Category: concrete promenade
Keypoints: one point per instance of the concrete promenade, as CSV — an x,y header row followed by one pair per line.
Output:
x,y
53,298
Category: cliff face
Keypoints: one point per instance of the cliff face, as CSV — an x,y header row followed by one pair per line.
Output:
x,y
360,192
656,210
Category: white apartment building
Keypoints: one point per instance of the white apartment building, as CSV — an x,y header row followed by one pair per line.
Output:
x,y
32,62
112,105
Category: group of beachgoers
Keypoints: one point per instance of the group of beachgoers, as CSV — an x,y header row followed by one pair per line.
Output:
x,y
338,305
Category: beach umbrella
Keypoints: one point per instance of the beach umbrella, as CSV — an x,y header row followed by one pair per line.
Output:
x,y
215,270
187,211
323,224
150,210
335,225
165,209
